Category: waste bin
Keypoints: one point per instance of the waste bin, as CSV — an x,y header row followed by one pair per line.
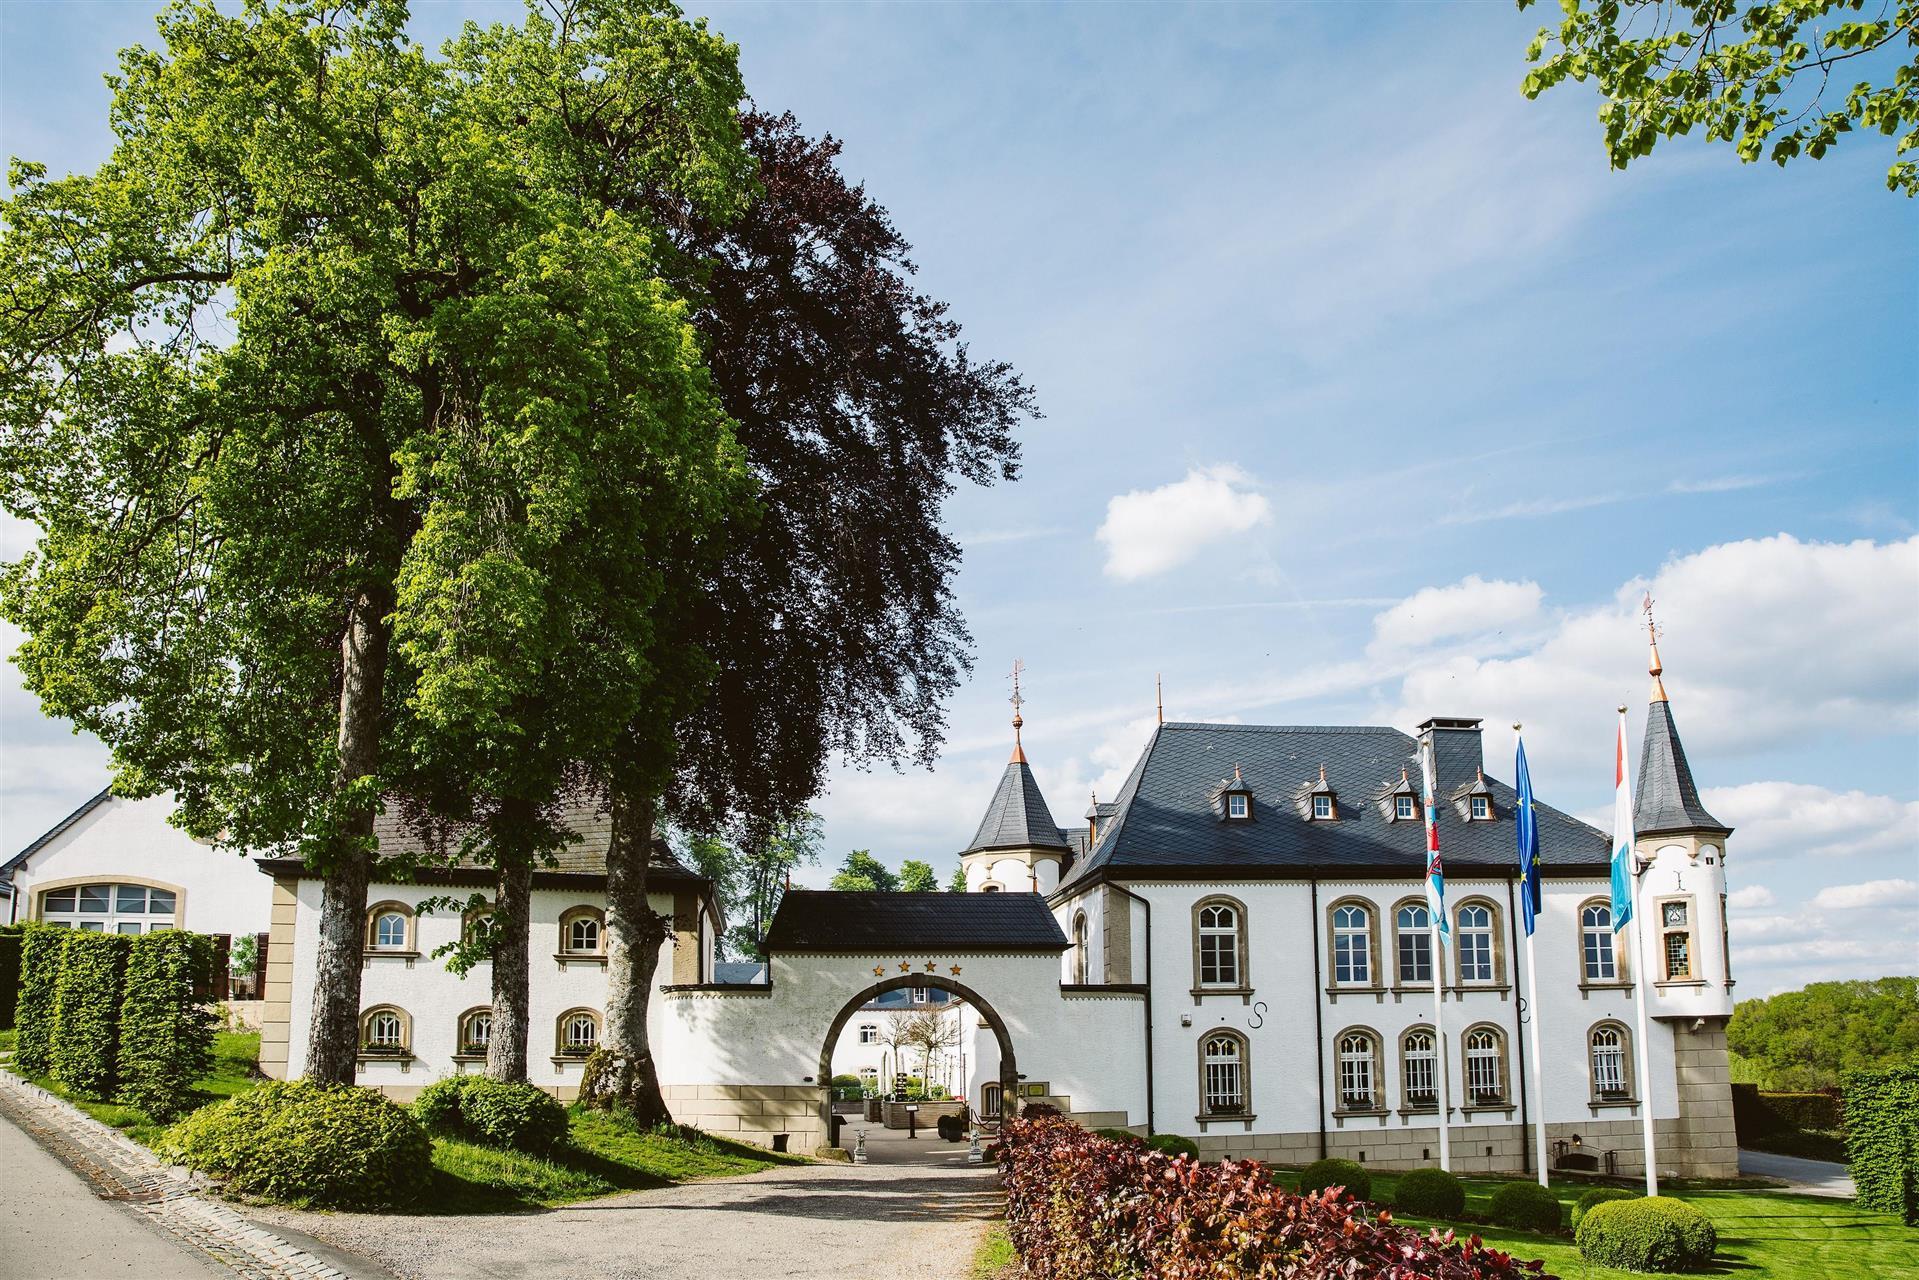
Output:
x,y
779,1141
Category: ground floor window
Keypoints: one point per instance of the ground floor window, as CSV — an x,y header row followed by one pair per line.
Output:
x,y
1223,1073
110,908
476,1031
1421,1068
579,1033
1485,1074
1356,1071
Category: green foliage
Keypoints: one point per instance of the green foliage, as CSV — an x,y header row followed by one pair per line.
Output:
x,y
1174,1145
917,877
42,948
1757,1112
1754,76
1119,1135
500,1113
10,940
958,883
1526,1206
85,1050
244,957
1599,1195
1646,1233
1808,1039
166,1033
1430,1193
301,1143
1321,1174
751,878
1882,1139
863,873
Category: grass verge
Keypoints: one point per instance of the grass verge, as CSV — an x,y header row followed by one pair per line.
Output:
x,y
234,1070
994,1259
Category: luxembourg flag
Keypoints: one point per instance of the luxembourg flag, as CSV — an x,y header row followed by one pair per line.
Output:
x,y
1622,834
1435,874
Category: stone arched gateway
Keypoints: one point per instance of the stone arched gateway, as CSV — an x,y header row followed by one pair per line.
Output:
x,y
1008,1065
747,1060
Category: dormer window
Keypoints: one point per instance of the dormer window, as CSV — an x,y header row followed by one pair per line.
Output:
x,y
1482,807
1405,807
1322,807
1323,804
1235,798
1238,804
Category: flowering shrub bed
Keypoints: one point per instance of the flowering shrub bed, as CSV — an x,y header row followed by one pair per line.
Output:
x,y
1083,1207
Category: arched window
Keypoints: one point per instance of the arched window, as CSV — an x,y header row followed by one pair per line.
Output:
x,y
869,1033
579,1033
1220,944
989,1099
476,926
989,887
1222,1072
1476,937
1352,945
1419,1068
389,927
1358,1071
1608,1046
1485,1065
1412,928
1600,963
583,932
1080,964
476,1032
111,908
385,1031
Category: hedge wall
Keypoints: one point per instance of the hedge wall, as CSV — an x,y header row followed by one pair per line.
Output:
x,y
10,938
85,1048
1882,1139
1758,1112
41,949
166,1038
1083,1207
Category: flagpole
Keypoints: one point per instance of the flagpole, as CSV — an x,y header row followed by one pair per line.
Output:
x,y
1531,855
1435,924
1635,953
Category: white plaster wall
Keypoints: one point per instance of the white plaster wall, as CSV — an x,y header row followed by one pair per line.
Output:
x,y
1279,1019
435,998
223,892
1695,869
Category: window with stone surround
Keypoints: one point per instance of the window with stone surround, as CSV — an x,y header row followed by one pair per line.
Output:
x,y
1419,1069
1219,944
1223,1059
1485,1054
1413,943
1675,938
1609,1052
1354,943
1080,964
577,1033
583,932
389,928
1600,958
1359,1070
475,1032
1477,944
386,1031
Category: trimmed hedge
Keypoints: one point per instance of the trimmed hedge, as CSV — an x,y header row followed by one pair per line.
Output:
x,y
10,939
1430,1193
1646,1233
1526,1206
1321,1174
1082,1207
1599,1195
166,1039
85,1049
1172,1144
42,946
499,1113
1882,1139
308,1144
1757,1112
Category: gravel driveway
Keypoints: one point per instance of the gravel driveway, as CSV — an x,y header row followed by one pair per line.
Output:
x,y
846,1222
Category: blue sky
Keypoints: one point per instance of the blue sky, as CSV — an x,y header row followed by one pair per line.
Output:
x,y
1371,394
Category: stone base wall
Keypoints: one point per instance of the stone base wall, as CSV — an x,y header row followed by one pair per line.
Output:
x,y
1480,1148
753,1112
1705,1097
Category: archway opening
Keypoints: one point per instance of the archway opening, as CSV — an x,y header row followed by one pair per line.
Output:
x,y
1000,1088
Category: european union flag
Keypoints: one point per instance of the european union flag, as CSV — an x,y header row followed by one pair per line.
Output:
x,y
1526,824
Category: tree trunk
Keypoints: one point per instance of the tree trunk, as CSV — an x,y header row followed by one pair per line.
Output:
x,y
622,1073
512,920
333,1034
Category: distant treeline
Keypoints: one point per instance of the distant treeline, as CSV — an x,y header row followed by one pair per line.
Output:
x,y
1799,1040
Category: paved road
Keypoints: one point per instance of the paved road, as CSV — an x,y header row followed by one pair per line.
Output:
x,y
53,1225
1807,1177
811,1222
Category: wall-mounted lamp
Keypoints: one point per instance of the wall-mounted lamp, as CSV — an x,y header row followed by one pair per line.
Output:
x,y
1185,1019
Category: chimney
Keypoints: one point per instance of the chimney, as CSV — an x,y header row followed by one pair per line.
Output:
x,y
1456,749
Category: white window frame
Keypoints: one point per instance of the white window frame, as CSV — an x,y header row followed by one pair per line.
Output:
x,y
1352,946
116,912
1485,1065
1357,1087
869,1033
1480,807
1415,941
1219,944
1322,808
1606,1047
1478,959
1420,1064
1598,948
1405,808
1238,805
1223,1075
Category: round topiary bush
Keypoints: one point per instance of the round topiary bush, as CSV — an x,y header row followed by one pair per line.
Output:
x,y
1118,1135
1647,1233
1599,1195
308,1144
1321,1174
1526,1206
1430,1193
500,1113
1174,1145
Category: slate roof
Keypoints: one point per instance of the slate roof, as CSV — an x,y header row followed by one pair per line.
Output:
x,y
582,815
1018,817
1167,825
11,864
912,926
1667,799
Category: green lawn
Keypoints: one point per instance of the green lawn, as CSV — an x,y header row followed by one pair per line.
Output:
x,y
1764,1235
994,1258
233,1071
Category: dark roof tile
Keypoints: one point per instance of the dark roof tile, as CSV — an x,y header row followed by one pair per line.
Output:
x,y
916,926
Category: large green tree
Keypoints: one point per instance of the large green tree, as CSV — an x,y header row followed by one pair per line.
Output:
x,y
1777,79
1808,1039
917,877
861,872
751,878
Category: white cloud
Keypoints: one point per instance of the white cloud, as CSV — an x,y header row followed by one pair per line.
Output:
x,y
1753,895
1872,893
1471,607
1150,531
1532,509
1790,819
1719,484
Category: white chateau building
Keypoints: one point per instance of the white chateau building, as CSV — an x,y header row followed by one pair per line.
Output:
x,y
1234,949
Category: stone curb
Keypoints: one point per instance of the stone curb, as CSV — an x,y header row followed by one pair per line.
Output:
x,y
120,1169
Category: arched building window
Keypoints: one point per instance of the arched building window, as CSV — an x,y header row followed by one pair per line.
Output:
x,y
583,932
1413,943
1419,1069
1599,956
1354,943
1219,944
389,927
577,1033
1476,942
1223,1073
386,1032
1609,1047
1080,962
475,1032
1359,1070
869,1033
1485,1049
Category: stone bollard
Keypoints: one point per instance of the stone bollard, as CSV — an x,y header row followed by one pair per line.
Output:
x,y
859,1146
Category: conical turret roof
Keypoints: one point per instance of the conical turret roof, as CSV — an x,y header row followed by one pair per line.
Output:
x,y
1668,799
1018,817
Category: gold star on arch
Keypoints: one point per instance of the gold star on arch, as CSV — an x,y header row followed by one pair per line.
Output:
x,y
932,967
956,971
879,971
905,967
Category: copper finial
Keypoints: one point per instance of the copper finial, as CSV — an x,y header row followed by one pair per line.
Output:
x,y
1653,667
1159,699
1019,752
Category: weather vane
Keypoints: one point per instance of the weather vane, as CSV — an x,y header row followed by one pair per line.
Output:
x,y
1019,752
1645,607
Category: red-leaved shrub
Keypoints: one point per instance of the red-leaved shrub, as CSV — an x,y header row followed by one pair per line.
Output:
x,y
1083,1207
